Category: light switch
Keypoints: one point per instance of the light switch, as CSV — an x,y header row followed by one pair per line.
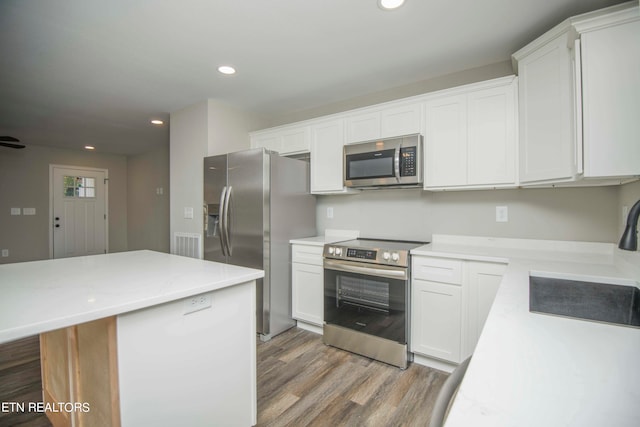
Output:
x,y
28,211
15,211
188,213
329,213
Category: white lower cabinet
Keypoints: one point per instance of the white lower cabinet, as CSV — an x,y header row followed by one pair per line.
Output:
x,y
450,302
483,282
436,319
307,285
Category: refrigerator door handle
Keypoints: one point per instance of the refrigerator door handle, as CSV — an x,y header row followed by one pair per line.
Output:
x,y
205,214
222,221
227,221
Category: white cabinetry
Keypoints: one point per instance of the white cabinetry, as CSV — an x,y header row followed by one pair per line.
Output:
x,y
579,103
450,302
549,148
327,142
470,137
392,120
307,285
611,96
436,308
483,282
285,140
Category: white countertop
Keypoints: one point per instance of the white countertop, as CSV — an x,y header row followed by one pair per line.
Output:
x,y
330,236
41,296
532,369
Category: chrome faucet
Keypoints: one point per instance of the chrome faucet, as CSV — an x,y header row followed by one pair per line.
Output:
x,y
629,239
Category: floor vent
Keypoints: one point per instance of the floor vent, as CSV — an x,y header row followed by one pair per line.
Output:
x,y
187,244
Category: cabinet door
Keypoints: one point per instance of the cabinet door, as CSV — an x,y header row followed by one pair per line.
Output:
x,y
436,320
483,282
402,120
270,141
491,134
611,100
326,157
295,140
446,142
546,113
307,293
362,127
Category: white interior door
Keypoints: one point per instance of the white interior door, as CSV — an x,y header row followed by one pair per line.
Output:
x,y
78,211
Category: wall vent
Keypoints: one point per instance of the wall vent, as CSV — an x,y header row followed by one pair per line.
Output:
x,y
187,244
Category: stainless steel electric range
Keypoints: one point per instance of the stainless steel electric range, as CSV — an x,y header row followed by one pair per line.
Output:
x,y
366,298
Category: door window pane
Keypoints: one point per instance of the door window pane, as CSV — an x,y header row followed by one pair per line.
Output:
x,y
79,186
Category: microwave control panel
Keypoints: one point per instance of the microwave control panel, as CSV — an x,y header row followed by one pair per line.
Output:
x,y
408,161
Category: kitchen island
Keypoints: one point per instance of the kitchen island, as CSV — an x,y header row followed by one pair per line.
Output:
x,y
532,369
138,338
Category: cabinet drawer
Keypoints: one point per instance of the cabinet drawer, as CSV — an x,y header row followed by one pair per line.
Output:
x,y
307,254
441,270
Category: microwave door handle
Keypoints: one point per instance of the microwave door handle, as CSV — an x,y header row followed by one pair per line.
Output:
x,y
396,164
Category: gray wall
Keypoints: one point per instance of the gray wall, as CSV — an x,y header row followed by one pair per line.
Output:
x,y
24,183
147,210
204,129
584,214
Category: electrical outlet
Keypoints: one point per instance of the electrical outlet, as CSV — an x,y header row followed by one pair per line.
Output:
x,y
502,214
197,303
329,213
28,211
15,211
5,253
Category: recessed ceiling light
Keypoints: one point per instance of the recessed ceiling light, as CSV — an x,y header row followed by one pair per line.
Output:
x,y
89,147
390,4
226,69
157,122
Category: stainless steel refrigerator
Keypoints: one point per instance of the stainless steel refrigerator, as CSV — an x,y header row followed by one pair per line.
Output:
x,y
255,201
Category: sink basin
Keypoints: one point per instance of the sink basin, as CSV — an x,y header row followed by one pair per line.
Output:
x,y
601,302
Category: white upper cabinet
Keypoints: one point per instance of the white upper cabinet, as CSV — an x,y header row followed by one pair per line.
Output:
x,y
445,147
285,140
470,136
327,141
548,141
611,98
392,120
579,100
400,120
362,127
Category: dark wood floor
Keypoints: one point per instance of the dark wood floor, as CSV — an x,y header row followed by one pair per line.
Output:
x,y
302,382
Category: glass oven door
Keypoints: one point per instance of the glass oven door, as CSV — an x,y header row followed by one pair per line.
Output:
x,y
371,299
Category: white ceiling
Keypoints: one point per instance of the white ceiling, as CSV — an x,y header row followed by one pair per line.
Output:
x,y
78,72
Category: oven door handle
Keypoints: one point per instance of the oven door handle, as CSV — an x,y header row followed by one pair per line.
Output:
x,y
393,273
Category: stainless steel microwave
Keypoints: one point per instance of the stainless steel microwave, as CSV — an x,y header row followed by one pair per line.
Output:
x,y
384,163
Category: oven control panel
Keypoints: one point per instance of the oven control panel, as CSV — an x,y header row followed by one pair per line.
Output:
x,y
375,256
362,253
